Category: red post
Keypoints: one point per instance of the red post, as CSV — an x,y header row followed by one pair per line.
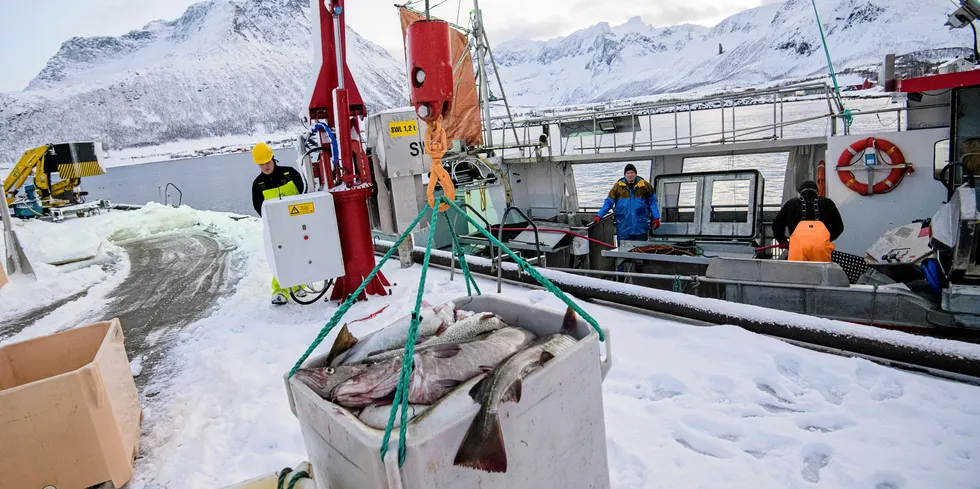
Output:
x,y
336,100
352,219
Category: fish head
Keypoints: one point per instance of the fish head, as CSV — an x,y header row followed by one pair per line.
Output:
x,y
325,380
370,383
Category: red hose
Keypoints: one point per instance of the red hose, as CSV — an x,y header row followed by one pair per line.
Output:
x,y
570,233
780,245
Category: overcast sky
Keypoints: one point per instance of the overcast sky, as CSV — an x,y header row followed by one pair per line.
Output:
x,y
31,31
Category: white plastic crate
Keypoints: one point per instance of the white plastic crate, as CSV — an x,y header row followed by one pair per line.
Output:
x,y
555,437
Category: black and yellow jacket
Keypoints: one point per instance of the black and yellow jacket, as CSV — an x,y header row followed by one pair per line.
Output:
x,y
282,182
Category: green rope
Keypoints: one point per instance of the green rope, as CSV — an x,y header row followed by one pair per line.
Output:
x,y
678,285
282,477
461,256
846,114
353,297
404,382
528,269
296,478
401,391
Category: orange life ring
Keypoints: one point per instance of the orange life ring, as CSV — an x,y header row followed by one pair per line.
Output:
x,y
822,179
878,146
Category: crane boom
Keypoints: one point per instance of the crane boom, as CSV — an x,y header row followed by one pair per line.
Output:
x,y
72,162
30,160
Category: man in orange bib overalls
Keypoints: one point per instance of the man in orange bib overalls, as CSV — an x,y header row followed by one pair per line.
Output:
x,y
813,222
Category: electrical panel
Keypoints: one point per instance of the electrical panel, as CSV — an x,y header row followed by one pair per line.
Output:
x,y
302,241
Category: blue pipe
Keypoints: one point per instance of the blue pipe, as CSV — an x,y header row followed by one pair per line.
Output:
x,y
930,269
334,145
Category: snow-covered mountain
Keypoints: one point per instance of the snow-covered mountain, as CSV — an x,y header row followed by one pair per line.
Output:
x,y
226,67
761,45
241,67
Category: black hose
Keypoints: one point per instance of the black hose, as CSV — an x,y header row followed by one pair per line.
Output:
x,y
316,299
950,183
976,52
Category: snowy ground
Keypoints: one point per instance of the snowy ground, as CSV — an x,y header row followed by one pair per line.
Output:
x,y
685,406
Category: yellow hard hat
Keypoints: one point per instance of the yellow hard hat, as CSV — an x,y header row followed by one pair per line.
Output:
x,y
261,154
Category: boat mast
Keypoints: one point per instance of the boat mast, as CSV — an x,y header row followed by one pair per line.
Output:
x,y
481,52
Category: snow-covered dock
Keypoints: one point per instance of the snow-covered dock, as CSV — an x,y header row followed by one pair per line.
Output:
x,y
685,406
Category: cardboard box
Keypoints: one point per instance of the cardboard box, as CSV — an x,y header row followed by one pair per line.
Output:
x,y
69,410
3,275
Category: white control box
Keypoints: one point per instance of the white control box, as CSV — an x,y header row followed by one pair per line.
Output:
x,y
302,241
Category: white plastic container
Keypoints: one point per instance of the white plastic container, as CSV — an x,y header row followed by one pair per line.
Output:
x,y
555,437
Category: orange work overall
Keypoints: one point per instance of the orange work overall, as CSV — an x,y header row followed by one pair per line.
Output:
x,y
810,240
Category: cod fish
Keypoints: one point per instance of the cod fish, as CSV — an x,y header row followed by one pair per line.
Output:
x,y
464,330
483,445
438,370
376,415
467,328
348,349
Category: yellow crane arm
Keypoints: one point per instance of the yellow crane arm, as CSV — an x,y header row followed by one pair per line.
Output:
x,y
63,186
31,159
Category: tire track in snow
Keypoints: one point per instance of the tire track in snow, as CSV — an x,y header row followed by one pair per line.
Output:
x,y
17,324
174,280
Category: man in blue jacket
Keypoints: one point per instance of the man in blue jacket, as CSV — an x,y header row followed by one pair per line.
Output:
x,y
635,205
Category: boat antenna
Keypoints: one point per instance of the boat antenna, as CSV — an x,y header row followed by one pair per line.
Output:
x,y
845,113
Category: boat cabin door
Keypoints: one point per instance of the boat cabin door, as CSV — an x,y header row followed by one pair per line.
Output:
x,y
722,204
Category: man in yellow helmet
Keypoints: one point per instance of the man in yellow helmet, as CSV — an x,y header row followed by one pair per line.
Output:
x,y
274,182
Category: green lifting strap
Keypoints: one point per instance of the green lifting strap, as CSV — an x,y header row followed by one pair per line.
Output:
x,y
461,256
353,297
401,391
530,270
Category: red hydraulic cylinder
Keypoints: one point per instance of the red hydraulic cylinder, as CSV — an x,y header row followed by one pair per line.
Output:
x,y
342,127
430,68
355,242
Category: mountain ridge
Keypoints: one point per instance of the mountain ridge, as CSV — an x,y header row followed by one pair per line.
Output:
x,y
225,67
241,67
773,42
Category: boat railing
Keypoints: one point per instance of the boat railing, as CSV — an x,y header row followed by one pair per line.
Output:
x,y
478,215
591,127
688,123
165,195
500,237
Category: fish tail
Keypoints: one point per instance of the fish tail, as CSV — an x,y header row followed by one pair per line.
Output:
x,y
344,342
483,446
569,323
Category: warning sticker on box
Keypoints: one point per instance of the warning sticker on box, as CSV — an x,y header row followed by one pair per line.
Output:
x,y
300,209
403,128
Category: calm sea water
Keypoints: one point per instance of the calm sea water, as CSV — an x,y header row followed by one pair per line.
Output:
x,y
223,182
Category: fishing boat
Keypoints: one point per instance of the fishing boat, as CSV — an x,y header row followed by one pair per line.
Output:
x,y
716,237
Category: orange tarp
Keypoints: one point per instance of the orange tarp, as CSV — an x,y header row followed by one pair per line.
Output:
x,y
464,117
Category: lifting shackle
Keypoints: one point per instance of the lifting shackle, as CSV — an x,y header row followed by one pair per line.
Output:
x,y
430,72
